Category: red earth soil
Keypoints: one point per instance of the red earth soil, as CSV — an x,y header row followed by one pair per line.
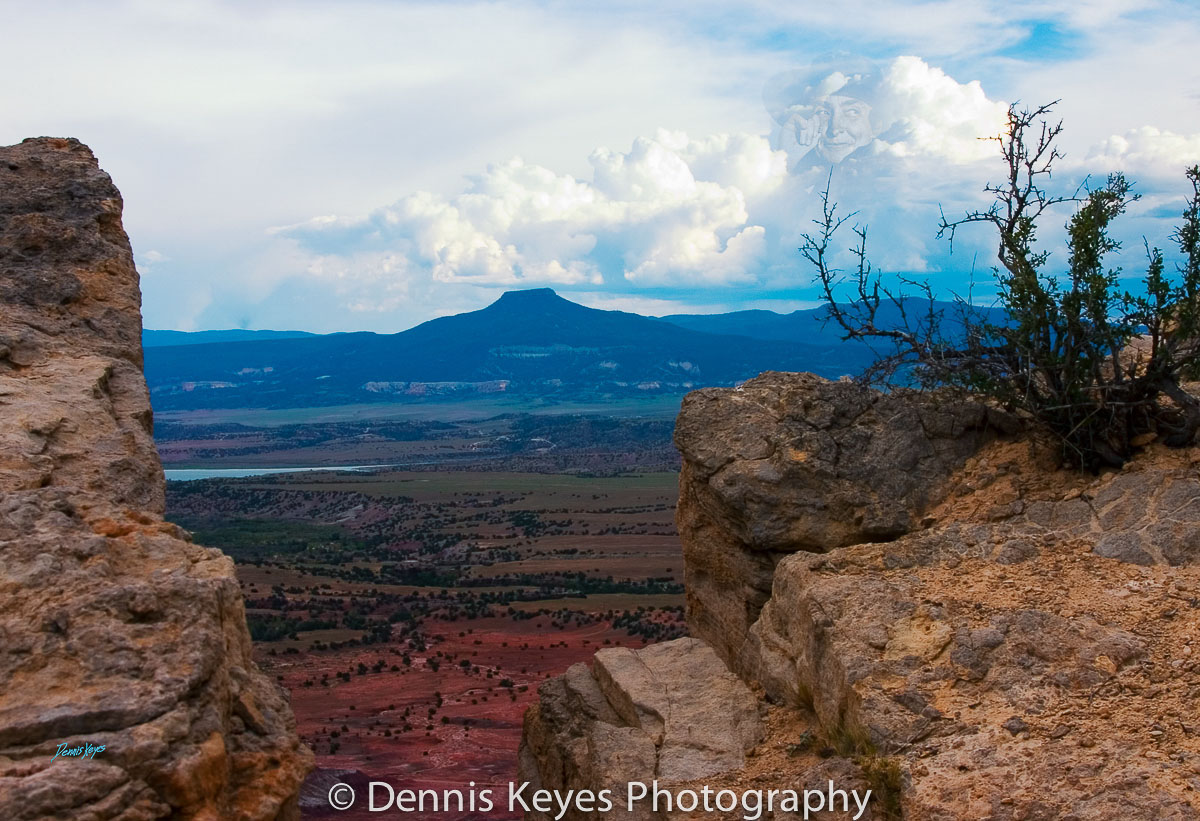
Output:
x,y
478,740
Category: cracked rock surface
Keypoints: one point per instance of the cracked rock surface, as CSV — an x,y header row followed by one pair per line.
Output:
x,y
792,462
930,608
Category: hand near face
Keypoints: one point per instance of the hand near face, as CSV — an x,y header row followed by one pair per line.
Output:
x,y
801,131
808,130
846,127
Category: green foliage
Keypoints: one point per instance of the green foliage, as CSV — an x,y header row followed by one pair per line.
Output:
x,y
274,628
1099,368
886,780
247,539
805,743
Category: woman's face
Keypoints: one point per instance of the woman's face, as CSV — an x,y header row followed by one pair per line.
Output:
x,y
845,126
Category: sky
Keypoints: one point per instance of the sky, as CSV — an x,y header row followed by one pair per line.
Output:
x,y
372,164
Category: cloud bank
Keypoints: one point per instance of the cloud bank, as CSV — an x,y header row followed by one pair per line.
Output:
x,y
674,215
219,120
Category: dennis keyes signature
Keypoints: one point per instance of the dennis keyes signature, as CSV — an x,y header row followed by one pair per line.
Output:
x,y
85,751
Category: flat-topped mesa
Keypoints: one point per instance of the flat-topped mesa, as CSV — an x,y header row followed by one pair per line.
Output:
x,y
115,630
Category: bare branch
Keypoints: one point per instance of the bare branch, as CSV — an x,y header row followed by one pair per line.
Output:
x,y
1065,350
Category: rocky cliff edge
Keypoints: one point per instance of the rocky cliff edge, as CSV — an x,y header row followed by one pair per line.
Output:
x,y
925,606
115,630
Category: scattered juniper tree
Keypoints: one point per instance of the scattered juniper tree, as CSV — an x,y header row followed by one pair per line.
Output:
x,y
1098,367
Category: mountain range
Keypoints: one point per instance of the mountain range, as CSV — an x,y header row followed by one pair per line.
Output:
x,y
163,339
530,342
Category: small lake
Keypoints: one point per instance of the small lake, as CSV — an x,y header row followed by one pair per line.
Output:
x,y
191,474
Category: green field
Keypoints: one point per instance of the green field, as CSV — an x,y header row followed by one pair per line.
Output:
x,y
654,406
435,486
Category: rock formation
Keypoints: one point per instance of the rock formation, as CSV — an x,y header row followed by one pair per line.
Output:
x,y
115,630
669,711
791,462
970,630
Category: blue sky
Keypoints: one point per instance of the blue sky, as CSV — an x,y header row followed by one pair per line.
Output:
x,y
370,165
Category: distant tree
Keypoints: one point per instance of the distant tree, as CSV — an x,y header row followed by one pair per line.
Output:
x,y
1098,367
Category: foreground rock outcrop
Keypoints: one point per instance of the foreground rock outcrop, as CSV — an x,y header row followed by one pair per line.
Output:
x,y
792,462
115,630
945,616
669,711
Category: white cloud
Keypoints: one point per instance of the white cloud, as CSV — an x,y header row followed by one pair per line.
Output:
x,y
1147,152
646,216
644,305
147,260
218,119
940,116
670,211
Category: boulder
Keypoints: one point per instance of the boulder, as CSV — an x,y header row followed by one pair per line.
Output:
x,y
671,712
792,462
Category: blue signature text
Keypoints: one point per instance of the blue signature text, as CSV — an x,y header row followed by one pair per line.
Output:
x,y
82,751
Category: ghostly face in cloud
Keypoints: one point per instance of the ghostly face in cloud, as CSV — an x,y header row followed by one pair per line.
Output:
x,y
838,127
824,113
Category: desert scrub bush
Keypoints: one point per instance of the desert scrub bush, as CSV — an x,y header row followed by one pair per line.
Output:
x,y
885,778
1099,368
883,773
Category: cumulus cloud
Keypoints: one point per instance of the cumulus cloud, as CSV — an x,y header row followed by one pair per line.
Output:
x,y
938,115
218,119
147,260
669,210
1147,152
846,107
674,216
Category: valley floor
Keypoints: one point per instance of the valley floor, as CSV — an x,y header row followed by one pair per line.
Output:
x,y
413,614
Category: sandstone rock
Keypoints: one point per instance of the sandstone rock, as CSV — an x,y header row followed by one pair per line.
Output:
x,y
701,718
115,629
77,412
669,711
970,632
791,462
1005,641
991,679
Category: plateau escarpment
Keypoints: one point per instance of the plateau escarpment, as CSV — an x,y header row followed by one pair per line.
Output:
x,y
115,630
965,627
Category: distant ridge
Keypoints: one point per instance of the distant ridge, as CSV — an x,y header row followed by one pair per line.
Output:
x,y
809,326
530,342
158,339
813,325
